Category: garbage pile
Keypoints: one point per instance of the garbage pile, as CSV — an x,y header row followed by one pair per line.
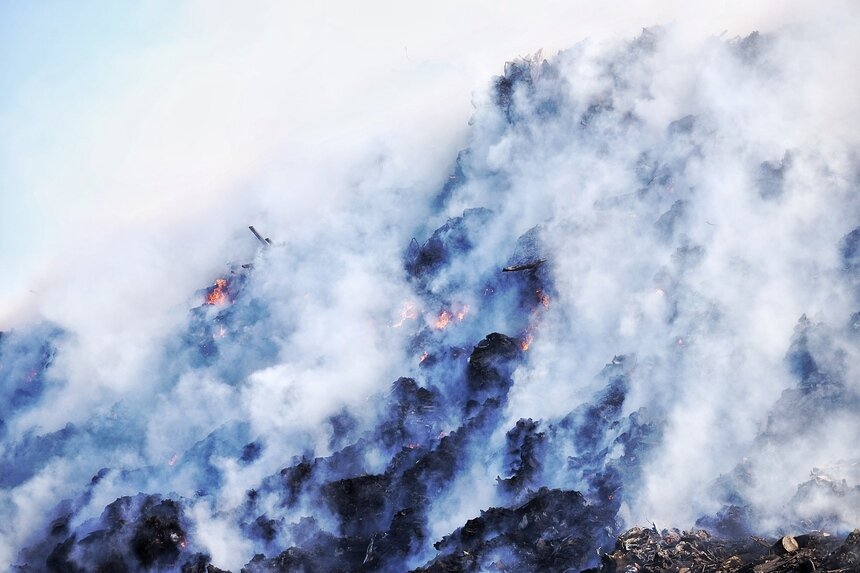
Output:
x,y
519,425
649,551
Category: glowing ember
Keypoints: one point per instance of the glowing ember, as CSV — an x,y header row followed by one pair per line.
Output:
x,y
526,341
408,312
461,314
542,298
424,356
218,295
413,446
172,461
443,320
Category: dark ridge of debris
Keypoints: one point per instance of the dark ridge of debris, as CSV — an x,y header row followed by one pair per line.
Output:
x,y
555,530
456,236
647,550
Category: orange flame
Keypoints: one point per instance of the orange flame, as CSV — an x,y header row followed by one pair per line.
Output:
x,y
408,312
218,295
443,320
424,357
526,341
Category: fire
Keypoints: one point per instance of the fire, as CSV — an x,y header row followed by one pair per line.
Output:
x,y
218,295
172,461
424,357
408,312
461,314
526,341
542,298
443,320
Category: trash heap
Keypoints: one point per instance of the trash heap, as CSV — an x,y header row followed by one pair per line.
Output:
x,y
647,550
455,466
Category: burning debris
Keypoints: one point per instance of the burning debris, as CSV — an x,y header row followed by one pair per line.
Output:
x,y
217,295
371,488
443,320
409,311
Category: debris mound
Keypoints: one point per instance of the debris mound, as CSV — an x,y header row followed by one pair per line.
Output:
x,y
647,550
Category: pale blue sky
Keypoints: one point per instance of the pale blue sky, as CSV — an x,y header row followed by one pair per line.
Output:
x,y
59,62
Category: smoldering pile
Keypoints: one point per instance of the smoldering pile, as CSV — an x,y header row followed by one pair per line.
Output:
x,y
459,469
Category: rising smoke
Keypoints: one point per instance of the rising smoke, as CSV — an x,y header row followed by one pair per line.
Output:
x,y
680,348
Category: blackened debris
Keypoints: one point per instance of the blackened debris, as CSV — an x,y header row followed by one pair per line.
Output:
x,y
801,357
455,180
456,236
525,450
732,521
413,415
250,452
524,267
139,533
200,563
360,503
343,427
554,530
157,539
491,365
517,74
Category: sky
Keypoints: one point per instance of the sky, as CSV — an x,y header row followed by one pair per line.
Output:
x,y
155,119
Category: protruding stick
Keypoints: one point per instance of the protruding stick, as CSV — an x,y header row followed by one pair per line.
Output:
x,y
524,267
266,242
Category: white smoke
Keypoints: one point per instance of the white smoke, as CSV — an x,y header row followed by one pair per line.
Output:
x,y
344,177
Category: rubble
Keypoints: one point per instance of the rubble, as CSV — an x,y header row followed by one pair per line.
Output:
x,y
645,550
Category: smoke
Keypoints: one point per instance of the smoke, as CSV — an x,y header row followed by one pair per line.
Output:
x,y
688,197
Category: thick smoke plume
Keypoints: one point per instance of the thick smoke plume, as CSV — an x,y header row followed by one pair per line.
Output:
x,y
634,299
